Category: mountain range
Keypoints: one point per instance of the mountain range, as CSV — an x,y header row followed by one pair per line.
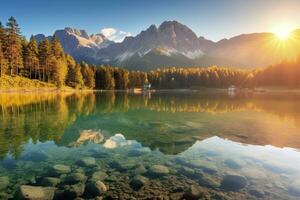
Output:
x,y
174,44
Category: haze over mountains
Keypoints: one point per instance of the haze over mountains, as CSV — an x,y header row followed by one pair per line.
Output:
x,y
174,44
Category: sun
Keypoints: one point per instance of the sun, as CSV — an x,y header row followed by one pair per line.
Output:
x,y
283,32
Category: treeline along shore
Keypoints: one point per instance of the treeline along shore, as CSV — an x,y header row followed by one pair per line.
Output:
x,y
29,64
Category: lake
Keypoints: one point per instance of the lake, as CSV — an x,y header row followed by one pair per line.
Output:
x,y
163,145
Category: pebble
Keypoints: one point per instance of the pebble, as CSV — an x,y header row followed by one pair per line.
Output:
x,y
138,181
94,189
50,181
159,170
195,192
233,182
73,191
36,192
61,169
87,162
75,178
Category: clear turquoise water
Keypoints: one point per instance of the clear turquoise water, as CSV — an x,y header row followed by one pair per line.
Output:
x,y
201,137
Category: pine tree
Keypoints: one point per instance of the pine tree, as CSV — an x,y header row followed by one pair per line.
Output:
x,y
31,61
104,78
2,35
13,46
3,62
71,71
57,50
121,78
88,76
59,73
45,51
78,79
21,70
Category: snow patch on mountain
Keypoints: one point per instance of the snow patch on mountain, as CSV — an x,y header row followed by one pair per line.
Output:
x,y
193,54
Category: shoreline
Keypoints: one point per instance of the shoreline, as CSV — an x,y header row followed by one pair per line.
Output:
x,y
44,90
204,89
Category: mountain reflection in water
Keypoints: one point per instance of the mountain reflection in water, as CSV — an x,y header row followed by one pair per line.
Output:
x,y
170,122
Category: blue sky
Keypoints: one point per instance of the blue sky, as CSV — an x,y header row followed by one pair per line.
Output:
x,y
213,19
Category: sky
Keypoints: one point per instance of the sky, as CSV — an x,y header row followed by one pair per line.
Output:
x,y
213,19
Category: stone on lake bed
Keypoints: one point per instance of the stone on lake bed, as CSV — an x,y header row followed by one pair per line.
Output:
x,y
50,181
4,182
140,169
61,169
294,188
99,176
96,188
123,166
87,162
207,167
159,170
195,192
36,192
207,181
34,156
138,181
186,171
256,193
75,178
73,191
233,164
233,182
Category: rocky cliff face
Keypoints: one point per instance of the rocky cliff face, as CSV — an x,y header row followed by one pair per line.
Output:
x,y
79,43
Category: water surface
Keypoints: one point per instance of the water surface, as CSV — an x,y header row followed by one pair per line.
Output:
x,y
230,147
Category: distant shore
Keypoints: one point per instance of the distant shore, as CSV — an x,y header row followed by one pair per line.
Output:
x,y
209,90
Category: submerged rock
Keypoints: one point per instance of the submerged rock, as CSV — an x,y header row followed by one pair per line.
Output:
x,y
186,171
208,182
36,193
99,176
233,182
75,178
61,169
34,156
73,191
159,170
195,192
123,166
87,162
140,169
94,189
233,164
294,188
4,182
50,181
207,167
256,193
138,181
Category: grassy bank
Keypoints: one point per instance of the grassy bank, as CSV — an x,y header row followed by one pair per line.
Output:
x,y
21,84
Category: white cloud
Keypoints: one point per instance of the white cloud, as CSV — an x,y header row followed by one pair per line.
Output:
x,y
114,34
